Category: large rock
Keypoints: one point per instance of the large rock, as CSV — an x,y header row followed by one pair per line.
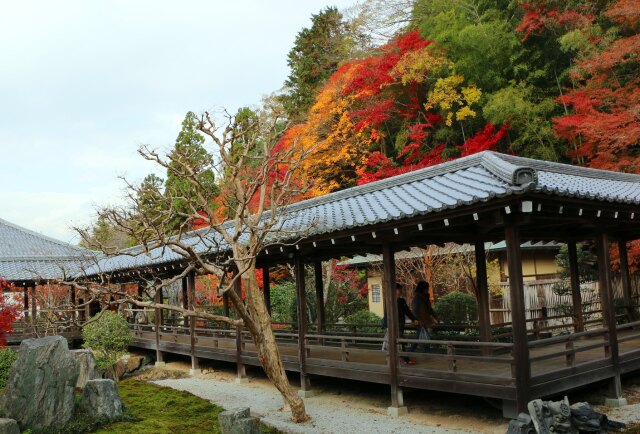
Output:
x,y
238,421
86,367
39,391
9,426
101,398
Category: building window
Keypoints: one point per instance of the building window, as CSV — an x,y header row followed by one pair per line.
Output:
x,y
375,293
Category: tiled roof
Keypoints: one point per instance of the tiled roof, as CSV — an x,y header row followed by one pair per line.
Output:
x,y
27,255
477,178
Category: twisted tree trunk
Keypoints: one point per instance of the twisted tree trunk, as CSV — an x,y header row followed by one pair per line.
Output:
x,y
259,325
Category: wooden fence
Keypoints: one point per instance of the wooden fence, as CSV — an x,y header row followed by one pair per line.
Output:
x,y
552,299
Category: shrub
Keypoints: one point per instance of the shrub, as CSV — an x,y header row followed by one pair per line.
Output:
x,y
367,318
457,308
108,335
7,358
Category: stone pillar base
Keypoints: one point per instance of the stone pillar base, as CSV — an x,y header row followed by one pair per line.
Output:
x,y
241,380
397,411
158,364
193,372
306,393
615,402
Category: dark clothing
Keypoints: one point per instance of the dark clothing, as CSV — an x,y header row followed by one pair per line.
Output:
x,y
403,313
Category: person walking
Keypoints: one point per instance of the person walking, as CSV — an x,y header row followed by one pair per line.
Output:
x,y
423,311
403,313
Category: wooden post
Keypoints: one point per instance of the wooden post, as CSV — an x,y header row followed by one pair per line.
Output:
x,y
482,288
319,284
158,323
301,297
608,311
225,304
34,304
626,281
393,327
189,283
266,287
576,295
26,302
72,294
522,363
242,372
186,301
87,308
160,291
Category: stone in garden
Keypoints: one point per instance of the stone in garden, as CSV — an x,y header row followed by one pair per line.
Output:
x,y
9,426
87,367
101,398
40,387
238,421
522,425
134,363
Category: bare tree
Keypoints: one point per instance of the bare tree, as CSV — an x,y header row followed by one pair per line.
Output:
x,y
257,176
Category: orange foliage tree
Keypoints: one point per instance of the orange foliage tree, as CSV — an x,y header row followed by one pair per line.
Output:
x,y
401,108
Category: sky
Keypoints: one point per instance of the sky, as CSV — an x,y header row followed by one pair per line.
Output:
x,y
83,84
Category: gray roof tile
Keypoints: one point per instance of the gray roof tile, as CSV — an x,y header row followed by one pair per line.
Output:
x,y
27,255
477,178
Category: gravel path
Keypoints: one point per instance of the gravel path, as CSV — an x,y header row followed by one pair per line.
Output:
x,y
329,415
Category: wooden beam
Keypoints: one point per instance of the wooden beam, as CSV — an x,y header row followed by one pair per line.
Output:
x,y
626,281
522,366
608,310
266,287
393,328
576,295
301,297
482,294
319,284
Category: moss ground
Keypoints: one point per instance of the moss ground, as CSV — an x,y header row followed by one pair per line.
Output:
x,y
161,410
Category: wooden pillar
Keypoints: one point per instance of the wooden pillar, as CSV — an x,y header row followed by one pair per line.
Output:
x,y
189,283
301,298
225,304
626,280
160,291
87,309
482,288
242,372
393,326
522,365
319,284
74,305
576,295
186,303
34,303
26,302
266,287
158,323
608,310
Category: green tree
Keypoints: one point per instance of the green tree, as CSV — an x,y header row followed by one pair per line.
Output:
x,y
108,335
316,54
188,152
520,77
101,233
